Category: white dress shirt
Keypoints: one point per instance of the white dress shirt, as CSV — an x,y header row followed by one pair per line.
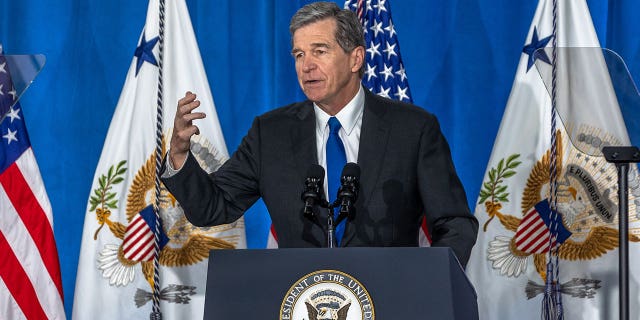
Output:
x,y
350,118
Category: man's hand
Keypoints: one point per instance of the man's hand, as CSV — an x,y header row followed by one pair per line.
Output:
x,y
183,129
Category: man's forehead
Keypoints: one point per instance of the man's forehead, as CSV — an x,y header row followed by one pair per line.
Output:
x,y
317,33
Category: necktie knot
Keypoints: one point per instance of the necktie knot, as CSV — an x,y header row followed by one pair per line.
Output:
x,y
334,125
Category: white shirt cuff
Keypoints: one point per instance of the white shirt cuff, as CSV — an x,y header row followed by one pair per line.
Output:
x,y
169,170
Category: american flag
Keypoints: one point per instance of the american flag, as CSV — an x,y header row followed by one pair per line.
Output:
x,y
30,282
532,235
139,239
384,72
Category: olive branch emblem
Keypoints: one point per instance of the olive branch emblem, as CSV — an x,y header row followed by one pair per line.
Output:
x,y
104,197
494,188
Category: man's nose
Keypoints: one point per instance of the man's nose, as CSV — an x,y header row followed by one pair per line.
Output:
x,y
308,64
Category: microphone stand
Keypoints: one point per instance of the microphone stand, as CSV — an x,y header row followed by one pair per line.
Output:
x,y
332,223
622,156
331,228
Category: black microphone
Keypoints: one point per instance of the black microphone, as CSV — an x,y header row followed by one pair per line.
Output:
x,y
348,192
312,193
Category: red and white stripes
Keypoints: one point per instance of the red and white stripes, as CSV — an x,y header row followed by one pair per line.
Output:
x,y
31,285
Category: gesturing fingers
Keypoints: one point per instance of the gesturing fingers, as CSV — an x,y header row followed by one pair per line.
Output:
x,y
185,112
183,127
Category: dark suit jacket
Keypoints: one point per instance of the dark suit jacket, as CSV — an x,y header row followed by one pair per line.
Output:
x,y
406,172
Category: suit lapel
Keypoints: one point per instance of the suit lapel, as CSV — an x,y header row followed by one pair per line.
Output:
x,y
374,135
303,139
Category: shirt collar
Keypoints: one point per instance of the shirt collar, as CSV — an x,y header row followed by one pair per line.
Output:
x,y
348,116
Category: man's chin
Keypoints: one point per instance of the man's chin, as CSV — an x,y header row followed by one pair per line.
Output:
x,y
313,95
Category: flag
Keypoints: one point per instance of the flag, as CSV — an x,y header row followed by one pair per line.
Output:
x,y
30,282
532,235
139,239
384,71
116,265
508,263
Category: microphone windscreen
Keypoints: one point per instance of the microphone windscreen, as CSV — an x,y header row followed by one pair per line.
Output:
x,y
315,171
351,170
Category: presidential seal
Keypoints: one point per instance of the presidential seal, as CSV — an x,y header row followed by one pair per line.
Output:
x,y
327,295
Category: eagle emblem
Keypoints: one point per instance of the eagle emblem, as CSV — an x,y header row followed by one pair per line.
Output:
x,y
327,305
182,244
327,295
587,213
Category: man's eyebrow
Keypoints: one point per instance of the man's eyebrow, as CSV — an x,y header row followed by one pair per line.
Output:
x,y
313,46
320,44
316,45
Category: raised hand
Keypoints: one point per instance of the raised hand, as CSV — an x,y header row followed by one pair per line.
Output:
x,y
183,129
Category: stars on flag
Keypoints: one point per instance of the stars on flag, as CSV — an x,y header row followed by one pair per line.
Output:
x,y
13,137
384,92
535,44
144,52
376,28
10,136
385,74
13,114
371,72
8,94
373,50
11,92
401,93
390,50
381,6
7,98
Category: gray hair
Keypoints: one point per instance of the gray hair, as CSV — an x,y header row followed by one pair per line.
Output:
x,y
349,34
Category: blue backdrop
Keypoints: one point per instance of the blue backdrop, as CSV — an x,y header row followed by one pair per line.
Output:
x,y
460,57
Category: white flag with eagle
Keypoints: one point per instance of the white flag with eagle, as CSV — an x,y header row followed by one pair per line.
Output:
x,y
508,264
116,267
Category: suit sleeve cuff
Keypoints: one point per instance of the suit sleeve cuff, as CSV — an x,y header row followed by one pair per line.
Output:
x,y
169,171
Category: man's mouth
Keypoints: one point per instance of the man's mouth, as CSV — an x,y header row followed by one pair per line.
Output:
x,y
312,82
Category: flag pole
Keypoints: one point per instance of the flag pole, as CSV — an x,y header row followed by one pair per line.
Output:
x,y
552,300
156,314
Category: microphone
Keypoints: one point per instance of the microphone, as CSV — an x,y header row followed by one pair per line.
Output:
x,y
312,193
348,192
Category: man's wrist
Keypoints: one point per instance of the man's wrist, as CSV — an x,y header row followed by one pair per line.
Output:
x,y
177,161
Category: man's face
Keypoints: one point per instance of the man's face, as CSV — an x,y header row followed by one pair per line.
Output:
x,y
327,74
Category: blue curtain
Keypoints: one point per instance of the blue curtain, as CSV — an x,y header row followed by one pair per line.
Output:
x,y
460,57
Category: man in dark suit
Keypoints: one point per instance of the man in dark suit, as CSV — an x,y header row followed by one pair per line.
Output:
x,y
405,161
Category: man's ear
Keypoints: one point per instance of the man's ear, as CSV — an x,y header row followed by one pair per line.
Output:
x,y
357,58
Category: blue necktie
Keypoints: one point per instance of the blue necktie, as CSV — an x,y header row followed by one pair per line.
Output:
x,y
336,159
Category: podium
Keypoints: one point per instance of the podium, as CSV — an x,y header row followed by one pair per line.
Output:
x,y
352,283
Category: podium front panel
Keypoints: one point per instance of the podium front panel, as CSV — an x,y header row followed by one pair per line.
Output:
x,y
400,283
